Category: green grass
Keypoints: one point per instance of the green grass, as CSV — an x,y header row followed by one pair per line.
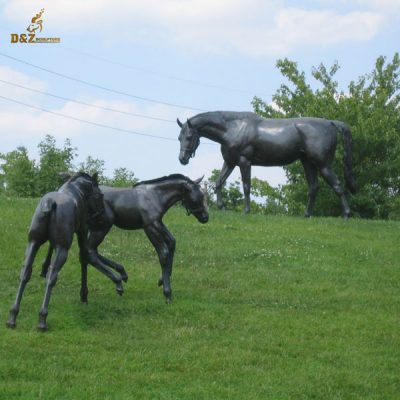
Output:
x,y
264,308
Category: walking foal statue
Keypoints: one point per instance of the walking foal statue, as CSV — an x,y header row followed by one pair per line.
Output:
x,y
77,204
248,139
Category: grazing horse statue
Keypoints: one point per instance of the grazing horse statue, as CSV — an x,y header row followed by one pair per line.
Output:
x,y
77,204
248,139
143,207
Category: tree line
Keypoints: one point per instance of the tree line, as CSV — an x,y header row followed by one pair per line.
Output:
x,y
370,106
21,176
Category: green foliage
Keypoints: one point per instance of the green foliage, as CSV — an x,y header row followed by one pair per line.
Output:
x,y
231,195
123,178
52,161
270,307
21,177
92,165
270,200
371,107
18,174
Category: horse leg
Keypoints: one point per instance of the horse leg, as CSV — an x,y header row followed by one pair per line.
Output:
x,y
156,234
51,279
223,176
94,240
333,182
25,276
171,243
311,172
46,262
245,170
83,258
114,265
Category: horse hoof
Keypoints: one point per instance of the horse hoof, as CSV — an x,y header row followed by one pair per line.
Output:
x,y
168,300
42,327
120,290
11,324
124,277
160,282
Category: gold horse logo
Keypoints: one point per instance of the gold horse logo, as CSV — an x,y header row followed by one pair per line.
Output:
x,y
36,23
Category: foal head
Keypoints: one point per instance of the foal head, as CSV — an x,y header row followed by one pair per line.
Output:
x,y
88,186
195,201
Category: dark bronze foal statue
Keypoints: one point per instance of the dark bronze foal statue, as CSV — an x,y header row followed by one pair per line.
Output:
x,y
248,139
143,207
58,216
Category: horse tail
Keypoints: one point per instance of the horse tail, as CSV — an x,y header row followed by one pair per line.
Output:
x,y
48,205
347,156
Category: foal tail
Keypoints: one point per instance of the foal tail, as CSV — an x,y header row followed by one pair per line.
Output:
x,y
347,157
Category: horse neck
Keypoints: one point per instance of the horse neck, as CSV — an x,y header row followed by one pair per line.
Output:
x,y
209,128
170,192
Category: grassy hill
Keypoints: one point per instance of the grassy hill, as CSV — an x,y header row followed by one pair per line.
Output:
x,y
263,308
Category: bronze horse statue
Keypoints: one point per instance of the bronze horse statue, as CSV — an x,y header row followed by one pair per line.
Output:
x,y
75,206
248,139
143,207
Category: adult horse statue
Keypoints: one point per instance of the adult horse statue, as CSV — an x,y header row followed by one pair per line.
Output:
x,y
58,216
143,207
248,139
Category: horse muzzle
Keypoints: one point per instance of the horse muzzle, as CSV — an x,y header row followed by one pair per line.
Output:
x,y
184,158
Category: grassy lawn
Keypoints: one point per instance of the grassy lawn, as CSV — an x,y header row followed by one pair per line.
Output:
x,y
263,308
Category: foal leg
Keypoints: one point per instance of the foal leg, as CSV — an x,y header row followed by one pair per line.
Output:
x,y
333,182
94,240
25,276
114,265
223,176
83,258
311,172
171,243
156,234
245,170
46,262
51,279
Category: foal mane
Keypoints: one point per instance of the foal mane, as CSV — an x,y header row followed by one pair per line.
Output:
x,y
79,175
165,178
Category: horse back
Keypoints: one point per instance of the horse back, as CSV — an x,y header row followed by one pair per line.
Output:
x,y
125,207
283,141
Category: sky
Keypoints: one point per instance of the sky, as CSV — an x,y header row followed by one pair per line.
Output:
x,y
168,59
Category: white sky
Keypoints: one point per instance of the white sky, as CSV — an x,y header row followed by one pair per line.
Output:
x,y
204,54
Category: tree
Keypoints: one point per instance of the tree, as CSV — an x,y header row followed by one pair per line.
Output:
x,y
53,160
18,174
231,195
371,107
92,165
123,178
268,200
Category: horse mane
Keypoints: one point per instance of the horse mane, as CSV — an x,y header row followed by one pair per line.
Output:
x,y
163,179
79,175
219,118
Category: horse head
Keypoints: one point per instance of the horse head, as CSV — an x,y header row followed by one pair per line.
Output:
x,y
194,200
36,23
89,187
189,140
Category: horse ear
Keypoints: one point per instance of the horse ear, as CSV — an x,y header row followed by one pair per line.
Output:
x,y
197,181
64,176
189,124
179,123
95,178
